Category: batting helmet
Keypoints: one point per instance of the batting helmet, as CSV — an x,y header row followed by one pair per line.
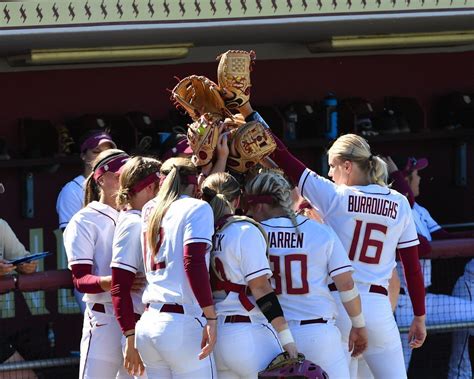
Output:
x,y
296,369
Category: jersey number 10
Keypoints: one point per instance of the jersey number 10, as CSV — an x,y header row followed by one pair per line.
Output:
x,y
289,260
367,242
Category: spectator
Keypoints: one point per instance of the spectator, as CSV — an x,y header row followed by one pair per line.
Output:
x,y
11,248
440,309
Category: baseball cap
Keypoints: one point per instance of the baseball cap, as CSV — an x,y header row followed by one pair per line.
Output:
x,y
410,164
96,139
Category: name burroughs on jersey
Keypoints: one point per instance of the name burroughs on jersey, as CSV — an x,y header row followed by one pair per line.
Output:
x,y
279,240
372,205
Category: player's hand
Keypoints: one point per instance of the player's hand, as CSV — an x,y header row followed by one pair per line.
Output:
x,y
5,267
139,282
27,267
209,338
132,360
358,341
291,349
222,146
417,332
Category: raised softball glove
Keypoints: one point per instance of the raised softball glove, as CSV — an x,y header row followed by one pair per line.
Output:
x,y
249,145
233,75
203,135
282,366
199,95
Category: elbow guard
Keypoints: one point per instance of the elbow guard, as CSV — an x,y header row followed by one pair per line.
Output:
x,y
270,306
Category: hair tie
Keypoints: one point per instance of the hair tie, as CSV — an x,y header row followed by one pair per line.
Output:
x,y
371,157
208,194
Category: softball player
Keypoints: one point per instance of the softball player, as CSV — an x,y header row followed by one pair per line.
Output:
x,y
246,341
305,255
372,222
88,242
139,179
177,333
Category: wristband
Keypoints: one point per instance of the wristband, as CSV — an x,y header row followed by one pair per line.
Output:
x,y
358,321
285,337
129,335
349,295
211,318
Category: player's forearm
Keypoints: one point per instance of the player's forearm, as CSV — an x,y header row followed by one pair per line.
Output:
x,y
196,271
122,281
84,281
414,279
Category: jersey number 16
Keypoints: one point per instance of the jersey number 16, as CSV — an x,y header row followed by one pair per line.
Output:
x,y
367,242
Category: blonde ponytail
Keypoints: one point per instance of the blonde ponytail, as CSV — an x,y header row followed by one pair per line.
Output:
x,y
220,190
175,169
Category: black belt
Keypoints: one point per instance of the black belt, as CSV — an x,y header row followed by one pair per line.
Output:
x,y
237,318
373,288
313,321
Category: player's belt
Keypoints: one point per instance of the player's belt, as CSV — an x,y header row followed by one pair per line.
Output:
x,y
313,321
172,308
237,318
98,307
373,288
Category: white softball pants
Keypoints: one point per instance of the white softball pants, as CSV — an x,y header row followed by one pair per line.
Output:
x,y
384,354
244,349
169,344
321,344
101,347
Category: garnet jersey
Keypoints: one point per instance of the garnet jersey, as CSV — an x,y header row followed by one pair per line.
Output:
x,y
303,259
239,255
371,221
187,220
127,250
88,240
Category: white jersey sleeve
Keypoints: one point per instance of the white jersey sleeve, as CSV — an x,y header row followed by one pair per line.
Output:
x,y
70,200
253,259
320,192
409,236
195,230
79,238
127,247
338,261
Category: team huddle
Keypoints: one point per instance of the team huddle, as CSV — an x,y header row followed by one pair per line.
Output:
x,y
202,266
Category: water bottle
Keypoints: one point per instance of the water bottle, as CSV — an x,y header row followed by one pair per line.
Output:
x,y
51,336
291,120
330,104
